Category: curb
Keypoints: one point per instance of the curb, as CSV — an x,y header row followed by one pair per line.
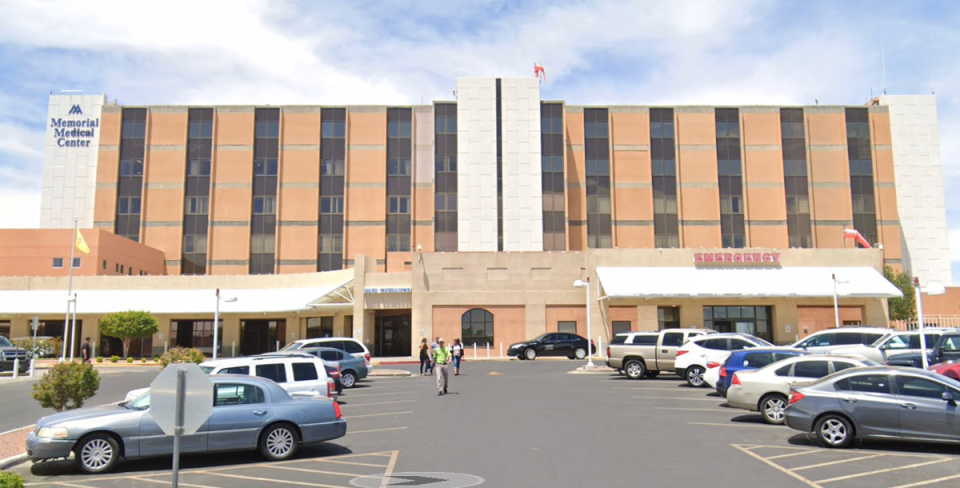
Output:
x,y
600,370
13,461
388,373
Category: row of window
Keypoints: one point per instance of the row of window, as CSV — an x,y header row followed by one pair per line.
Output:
x,y
119,268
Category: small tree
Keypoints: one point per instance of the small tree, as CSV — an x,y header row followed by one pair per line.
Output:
x,y
181,355
901,308
128,326
66,386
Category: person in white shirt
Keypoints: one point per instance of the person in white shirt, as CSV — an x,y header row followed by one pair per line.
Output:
x,y
457,356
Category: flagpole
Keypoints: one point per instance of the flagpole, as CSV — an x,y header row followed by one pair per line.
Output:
x,y
66,321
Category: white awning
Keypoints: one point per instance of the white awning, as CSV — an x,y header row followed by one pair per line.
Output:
x,y
195,301
690,282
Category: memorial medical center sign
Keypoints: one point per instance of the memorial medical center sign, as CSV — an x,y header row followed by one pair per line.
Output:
x,y
75,130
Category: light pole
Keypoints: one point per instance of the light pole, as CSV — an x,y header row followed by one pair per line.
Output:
x,y
934,288
836,304
586,284
216,321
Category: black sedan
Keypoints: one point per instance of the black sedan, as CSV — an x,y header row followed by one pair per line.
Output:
x,y
552,344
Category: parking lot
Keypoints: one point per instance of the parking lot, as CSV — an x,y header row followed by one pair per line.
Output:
x,y
531,424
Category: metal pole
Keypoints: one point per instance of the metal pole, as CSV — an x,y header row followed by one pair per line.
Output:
x,y
589,331
73,328
501,350
66,318
600,342
34,324
16,367
233,349
923,338
488,350
216,326
178,423
836,305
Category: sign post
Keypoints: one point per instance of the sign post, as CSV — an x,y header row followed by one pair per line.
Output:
x,y
181,401
35,324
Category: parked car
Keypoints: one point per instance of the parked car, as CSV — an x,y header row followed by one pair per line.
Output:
x,y
334,373
301,375
648,355
893,344
248,413
692,357
748,359
825,341
350,345
712,375
766,390
947,348
44,348
9,353
352,369
552,344
889,403
950,369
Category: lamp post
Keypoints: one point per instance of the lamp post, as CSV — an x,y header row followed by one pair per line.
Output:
x,y
934,288
586,284
216,321
836,304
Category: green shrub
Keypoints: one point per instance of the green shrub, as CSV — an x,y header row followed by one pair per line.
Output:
x,y
143,360
181,355
114,359
10,480
49,347
66,386
99,359
129,360
156,358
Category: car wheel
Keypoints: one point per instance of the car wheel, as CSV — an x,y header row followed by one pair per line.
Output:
x,y
651,374
634,369
694,376
834,431
580,353
97,453
772,409
530,354
348,378
279,442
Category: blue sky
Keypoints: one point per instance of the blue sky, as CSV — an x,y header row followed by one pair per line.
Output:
x,y
604,52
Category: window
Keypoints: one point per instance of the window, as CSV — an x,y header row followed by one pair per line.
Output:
x,y
715,344
793,144
476,327
597,149
332,187
5,329
128,206
265,167
244,370
873,383
399,205
645,340
194,244
784,371
913,386
319,327
121,269
732,227
196,205
233,394
553,184
398,167
76,263
399,181
751,320
330,244
354,347
668,317
265,205
263,225
620,326
130,181
131,167
811,369
738,344
672,339
758,359
332,167
262,244
198,167
842,365
567,326
104,264
275,372
57,262
304,371
664,178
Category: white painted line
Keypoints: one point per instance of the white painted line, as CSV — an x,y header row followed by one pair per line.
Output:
x,y
376,403
928,482
390,467
776,466
793,454
270,481
715,400
881,471
831,463
352,463
165,482
377,415
375,430
755,426
317,471
696,409
704,391
72,485
365,395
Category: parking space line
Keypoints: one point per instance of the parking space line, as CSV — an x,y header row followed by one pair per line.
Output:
x,y
679,398
696,409
734,425
677,390
831,463
382,394
72,485
792,454
352,463
180,483
377,454
881,471
375,403
317,471
375,430
928,482
390,467
254,478
377,414
774,465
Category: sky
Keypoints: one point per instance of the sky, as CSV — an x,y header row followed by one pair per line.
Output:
x,y
730,52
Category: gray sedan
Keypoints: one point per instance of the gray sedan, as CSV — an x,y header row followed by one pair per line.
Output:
x,y
888,403
249,413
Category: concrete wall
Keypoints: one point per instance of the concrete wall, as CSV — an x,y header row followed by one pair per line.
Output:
x,y
30,252
477,164
522,194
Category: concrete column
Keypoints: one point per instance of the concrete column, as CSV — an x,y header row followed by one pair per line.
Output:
x,y
337,325
231,334
691,315
647,318
785,313
536,320
875,313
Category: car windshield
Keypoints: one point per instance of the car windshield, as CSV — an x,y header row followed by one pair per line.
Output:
x,y
541,336
142,402
293,346
4,342
762,342
880,341
206,369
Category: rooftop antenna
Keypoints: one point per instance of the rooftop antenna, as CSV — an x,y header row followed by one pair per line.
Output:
x,y
883,69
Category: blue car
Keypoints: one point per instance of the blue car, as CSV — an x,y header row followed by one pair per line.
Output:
x,y
754,358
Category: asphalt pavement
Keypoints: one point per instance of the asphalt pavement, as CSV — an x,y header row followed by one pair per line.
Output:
x,y
530,424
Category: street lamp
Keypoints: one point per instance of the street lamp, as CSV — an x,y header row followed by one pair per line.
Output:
x,y
586,284
216,321
934,288
836,305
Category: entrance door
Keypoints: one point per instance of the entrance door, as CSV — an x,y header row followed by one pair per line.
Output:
x,y
393,336
260,336
723,326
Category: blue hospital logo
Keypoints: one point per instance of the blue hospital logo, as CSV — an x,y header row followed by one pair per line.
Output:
x,y
75,110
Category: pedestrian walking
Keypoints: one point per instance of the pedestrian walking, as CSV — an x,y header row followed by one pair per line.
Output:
x,y
424,357
433,347
441,356
457,356
85,351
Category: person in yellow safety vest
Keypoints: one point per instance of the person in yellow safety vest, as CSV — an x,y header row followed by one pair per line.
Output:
x,y
441,357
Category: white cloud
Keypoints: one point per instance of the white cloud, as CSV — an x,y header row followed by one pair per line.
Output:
x,y
26,205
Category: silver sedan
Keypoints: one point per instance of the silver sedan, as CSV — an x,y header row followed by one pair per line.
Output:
x,y
887,403
249,413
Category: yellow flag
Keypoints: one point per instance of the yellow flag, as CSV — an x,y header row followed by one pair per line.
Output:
x,y
82,244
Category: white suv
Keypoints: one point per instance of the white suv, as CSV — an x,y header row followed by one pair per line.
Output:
x,y
692,357
825,341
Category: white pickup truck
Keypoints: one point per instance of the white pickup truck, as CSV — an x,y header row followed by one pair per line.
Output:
x,y
646,354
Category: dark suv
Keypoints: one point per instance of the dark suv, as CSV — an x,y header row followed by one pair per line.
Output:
x,y
947,348
552,344
9,352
